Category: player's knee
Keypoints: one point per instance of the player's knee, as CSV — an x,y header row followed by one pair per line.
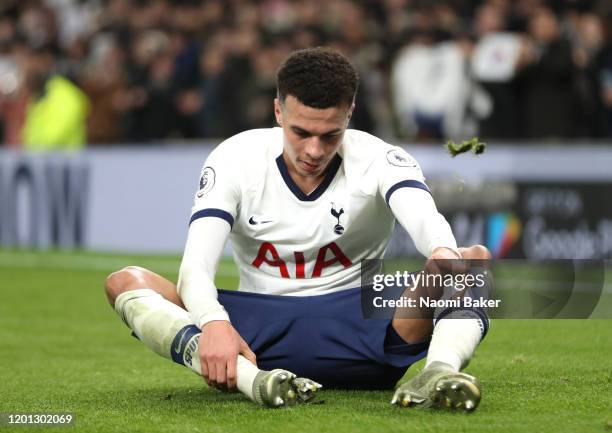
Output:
x,y
477,252
128,278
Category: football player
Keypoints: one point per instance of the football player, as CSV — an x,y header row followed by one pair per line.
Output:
x,y
303,204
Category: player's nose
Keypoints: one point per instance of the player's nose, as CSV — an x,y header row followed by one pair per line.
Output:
x,y
314,148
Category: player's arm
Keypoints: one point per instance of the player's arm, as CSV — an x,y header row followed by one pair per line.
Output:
x,y
220,343
416,211
196,287
212,218
403,187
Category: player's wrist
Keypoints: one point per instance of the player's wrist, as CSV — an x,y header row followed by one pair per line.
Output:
x,y
220,315
445,252
215,324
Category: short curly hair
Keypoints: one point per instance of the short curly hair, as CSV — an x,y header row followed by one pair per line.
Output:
x,y
318,77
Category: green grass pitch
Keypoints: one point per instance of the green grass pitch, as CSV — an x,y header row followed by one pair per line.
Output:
x,y
62,349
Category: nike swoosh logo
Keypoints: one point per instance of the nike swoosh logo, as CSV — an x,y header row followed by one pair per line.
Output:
x,y
254,223
177,350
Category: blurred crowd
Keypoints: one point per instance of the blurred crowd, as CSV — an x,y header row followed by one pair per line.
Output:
x,y
76,72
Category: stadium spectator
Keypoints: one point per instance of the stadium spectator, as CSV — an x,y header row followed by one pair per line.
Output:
x,y
56,115
547,80
104,82
496,62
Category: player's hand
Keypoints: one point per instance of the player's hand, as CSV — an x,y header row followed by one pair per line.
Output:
x,y
220,345
444,260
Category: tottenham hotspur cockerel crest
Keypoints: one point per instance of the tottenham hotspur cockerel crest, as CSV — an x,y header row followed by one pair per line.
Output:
x,y
338,228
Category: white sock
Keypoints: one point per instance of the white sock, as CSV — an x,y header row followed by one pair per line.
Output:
x,y
454,340
157,321
246,372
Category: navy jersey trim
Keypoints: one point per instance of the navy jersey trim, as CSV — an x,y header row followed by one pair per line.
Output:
x,y
332,169
405,184
213,212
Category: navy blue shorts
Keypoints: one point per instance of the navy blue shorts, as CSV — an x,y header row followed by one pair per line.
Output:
x,y
324,338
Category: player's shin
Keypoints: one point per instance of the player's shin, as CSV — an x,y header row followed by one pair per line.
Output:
x,y
167,329
245,376
459,326
154,320
162,326
455,337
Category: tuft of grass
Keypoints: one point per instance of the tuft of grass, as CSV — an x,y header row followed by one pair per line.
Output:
x,y
474,144
519,359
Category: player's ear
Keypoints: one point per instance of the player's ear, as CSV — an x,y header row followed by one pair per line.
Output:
x,y
278,112
350,113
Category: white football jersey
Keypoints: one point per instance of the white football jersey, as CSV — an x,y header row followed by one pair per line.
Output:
x,y
287,242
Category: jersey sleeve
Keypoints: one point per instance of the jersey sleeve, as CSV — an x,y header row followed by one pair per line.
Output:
x,y
402,184
215,208
196,286
218,191
417,213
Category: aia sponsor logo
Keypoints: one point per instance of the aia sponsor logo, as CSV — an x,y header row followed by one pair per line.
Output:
x,y
329,255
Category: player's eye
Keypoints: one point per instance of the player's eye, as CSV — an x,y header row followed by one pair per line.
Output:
x,y
329,137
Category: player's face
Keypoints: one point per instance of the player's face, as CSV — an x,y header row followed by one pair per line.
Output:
x,y
312,136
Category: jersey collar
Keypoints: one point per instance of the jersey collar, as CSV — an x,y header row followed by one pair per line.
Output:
x,y
332,169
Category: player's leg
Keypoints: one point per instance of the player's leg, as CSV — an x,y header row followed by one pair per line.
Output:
x,y
135,278
150,306
456,334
